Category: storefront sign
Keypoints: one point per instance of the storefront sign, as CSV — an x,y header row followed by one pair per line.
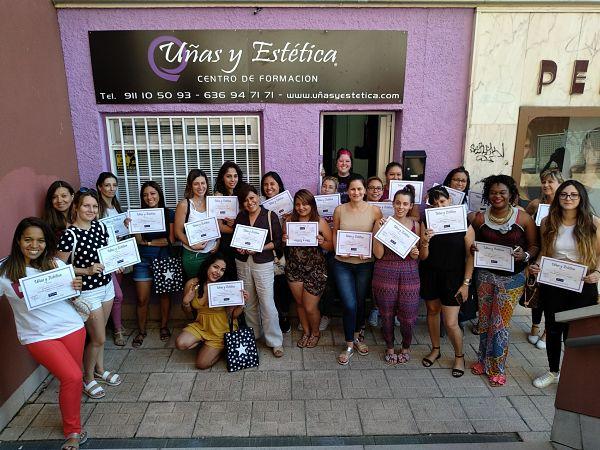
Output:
x,y
248,66
548,70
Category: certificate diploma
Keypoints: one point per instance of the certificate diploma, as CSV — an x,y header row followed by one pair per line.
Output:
x,y
542,212
326,204
386,208
451,219
48,287
121,254
225,294
249,238
302,234
396,185
147,220
492,256
280,204
202,230
222,207
397,237
354,243
456,196
562,274
475,201
117,222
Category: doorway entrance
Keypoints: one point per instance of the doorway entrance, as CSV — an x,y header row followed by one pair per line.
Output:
x,y
369,136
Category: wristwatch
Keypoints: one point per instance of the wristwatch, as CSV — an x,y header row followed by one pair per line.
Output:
x,y
467,282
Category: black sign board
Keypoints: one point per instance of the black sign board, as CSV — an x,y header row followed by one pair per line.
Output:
x,y
248,66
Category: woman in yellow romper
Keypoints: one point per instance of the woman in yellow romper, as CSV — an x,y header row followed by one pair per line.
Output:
x,y
211,324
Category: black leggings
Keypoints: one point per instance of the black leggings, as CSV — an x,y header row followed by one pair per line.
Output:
x,y
557,300
536,315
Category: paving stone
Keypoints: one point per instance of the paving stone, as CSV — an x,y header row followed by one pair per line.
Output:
x,y
128,391
489,415
530,413
380,416
223,419
525,381
534,436
466,386
546,406
291,359
212,386
163,387
332,418
440,415
146,360
115,420
182,361
365,384
278,418
47,424
113,358
412,383
316,385
267,386
20,422
169,419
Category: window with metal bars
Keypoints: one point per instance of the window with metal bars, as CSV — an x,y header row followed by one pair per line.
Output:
x,y
166,148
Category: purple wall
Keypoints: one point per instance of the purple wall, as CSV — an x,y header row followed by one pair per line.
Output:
x,y
433,116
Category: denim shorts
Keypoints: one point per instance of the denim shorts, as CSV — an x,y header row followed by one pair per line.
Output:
x,y
142,271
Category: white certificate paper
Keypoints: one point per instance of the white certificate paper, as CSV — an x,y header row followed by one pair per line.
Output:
x,y
249,238
451,219
475,201
456,196
543,210
302,234
280,204
396,185
386,208
492,256
354,243
222,207
202,230
48,287
117,222
119,255
562,274
148,220
397,237
326,204
225,294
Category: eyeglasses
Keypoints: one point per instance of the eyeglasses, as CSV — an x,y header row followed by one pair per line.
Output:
x,y
375,188
459,180
573,196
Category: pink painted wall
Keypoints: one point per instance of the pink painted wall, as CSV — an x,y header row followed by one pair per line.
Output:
x,y
433,116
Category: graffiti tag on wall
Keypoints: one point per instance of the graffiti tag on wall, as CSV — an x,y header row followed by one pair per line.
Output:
x,y
487,152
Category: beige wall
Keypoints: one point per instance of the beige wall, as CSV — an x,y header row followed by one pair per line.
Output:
x,y
37,142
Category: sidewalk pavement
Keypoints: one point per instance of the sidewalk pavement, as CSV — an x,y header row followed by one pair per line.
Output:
x,y
305,394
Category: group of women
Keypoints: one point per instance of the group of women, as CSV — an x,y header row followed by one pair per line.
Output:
x,y
439,269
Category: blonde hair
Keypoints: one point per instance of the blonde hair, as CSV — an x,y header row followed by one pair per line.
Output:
x,y
332,179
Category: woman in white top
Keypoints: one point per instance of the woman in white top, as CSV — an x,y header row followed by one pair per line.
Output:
x,y
191,209
53,334
570,232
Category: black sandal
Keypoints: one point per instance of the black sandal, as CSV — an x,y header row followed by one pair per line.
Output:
x,y
165,334
427,362
139,339
457,373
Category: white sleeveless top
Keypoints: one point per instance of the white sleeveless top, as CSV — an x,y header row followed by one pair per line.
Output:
x,y
565,246
194,216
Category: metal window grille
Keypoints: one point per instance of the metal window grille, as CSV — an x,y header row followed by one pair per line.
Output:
x,y
166,148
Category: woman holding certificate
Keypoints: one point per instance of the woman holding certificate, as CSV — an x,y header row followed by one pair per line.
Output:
x,y
501,274
570,234
191,209
57,206
79,244
343,165
353,273
152,246
53,334
306,236
459,180
255,267
393,171
396,280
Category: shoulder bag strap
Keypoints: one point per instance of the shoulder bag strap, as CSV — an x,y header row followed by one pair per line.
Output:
x,y
271,233
72,257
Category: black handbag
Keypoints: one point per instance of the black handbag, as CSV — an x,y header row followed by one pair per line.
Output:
x,y
240,346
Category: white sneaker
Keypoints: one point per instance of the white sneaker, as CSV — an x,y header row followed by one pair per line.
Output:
x,y
324,323
374,317
546,380
541,344
396,321
533,338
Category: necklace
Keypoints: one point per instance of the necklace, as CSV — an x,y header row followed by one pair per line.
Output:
x,y
501,220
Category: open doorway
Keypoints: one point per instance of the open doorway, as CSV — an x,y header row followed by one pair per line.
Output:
x,y
369,136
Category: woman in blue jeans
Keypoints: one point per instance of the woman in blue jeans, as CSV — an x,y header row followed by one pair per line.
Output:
x,y
353,273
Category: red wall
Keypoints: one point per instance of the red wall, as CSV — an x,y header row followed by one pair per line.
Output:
x,y
37,142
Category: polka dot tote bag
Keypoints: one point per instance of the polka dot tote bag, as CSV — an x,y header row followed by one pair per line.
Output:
x,y
240,346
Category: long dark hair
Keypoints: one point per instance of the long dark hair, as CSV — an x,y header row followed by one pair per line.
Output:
x,y
13,267
277,179
102,206
305,196
54,218
436,192
203,270
195,173
155,185
453,172
220,184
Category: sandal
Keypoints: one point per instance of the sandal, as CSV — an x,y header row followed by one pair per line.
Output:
x,y
344,358
403,358
475,329
107,377
139,339
278,352
119,338
361,347
313,341
80,437
361,334
390,359
497,380
478,369
165,334
303,341
457,373
93,390
428,362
